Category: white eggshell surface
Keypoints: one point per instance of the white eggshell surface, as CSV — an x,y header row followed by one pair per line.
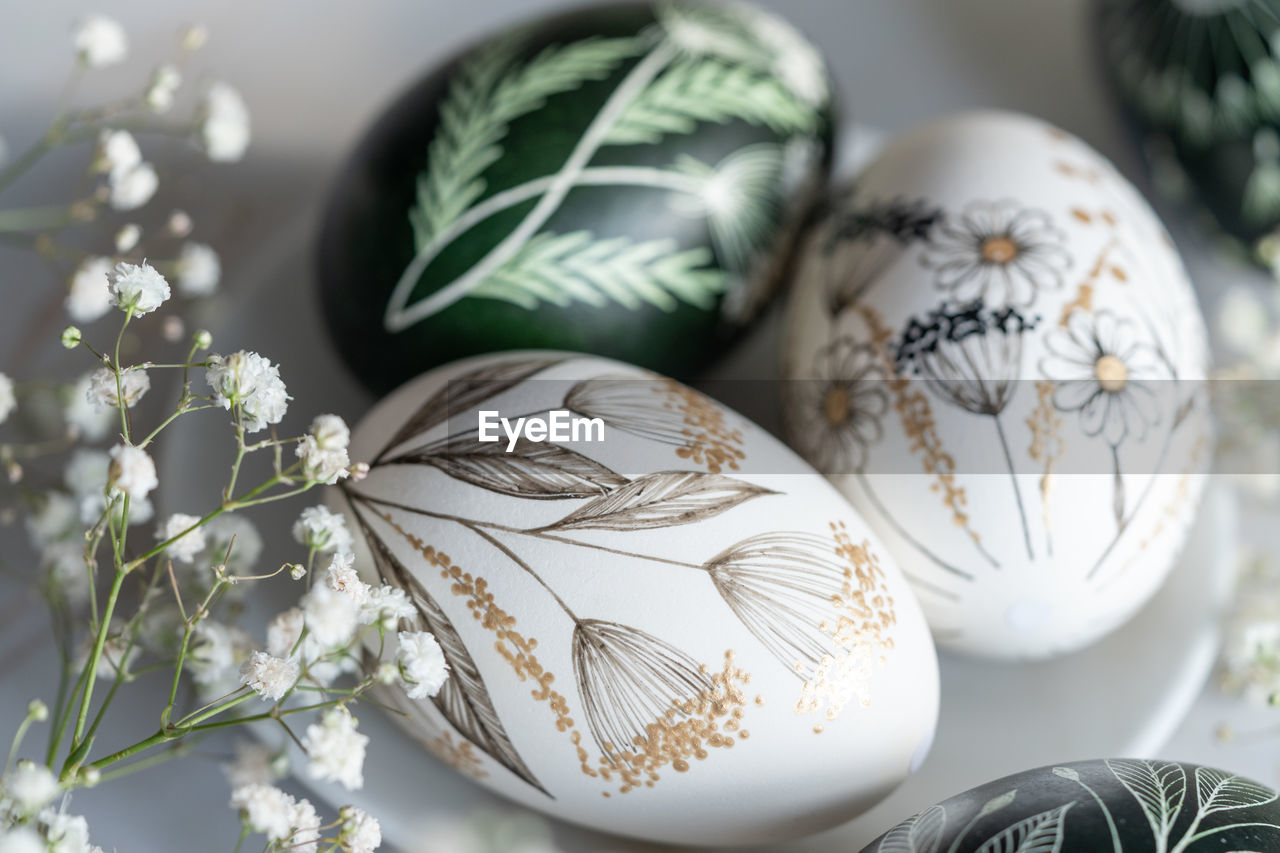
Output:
x,y
997,356
681,632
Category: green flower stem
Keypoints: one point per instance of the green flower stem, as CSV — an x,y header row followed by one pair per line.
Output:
x,y
115,366
64,681
176,751
180,411
28,159
95,657
17,739
37,218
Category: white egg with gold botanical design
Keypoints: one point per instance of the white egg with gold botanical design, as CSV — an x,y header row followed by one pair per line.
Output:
x,y
994,351
659,621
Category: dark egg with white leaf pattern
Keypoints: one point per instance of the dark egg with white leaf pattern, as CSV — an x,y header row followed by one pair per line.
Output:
x,y
659,622
624,181
1114,806
1199,81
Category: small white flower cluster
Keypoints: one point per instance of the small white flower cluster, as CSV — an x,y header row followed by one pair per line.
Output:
x,y
49,831
138,288
321,530
100,41
8,400
249,383
131,181
293,824
269,676
422,664
89,296
188,539
323,450
103,391
1251,647
335,749
224,123
199,270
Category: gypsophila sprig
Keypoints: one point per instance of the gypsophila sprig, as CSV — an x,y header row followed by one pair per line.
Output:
x,y
167,602
422,664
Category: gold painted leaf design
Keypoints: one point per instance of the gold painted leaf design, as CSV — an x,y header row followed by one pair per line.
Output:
x,y
1159,787
466,391
1217,791
661,499
531,469
920,833
1040,833
464,699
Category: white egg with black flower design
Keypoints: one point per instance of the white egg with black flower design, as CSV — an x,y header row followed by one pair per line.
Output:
x,y
994,351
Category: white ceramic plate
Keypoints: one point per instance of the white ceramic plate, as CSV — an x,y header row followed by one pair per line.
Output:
x,y
1122,696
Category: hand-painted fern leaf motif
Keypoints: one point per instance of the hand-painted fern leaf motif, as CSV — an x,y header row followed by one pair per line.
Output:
x,y
563,268
464,392
1040,833
490,91
530,469
464,699
662,499
710,90
1158,787
921,833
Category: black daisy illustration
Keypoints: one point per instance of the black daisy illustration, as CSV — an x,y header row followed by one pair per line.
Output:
x,y
998,251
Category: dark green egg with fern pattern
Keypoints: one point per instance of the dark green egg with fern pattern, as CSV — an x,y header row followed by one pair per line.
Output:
x,y
1119,805
625,181
1199,81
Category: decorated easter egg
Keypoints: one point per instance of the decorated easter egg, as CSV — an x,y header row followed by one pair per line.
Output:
x,y
626,181
1112,806
994,351
1200,81
658,620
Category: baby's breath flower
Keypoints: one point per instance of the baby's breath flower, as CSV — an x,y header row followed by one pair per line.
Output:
x,y
322,530
89,296
22,839
138,287
214,651
8,400
86,472
100,41
164,83
203,339
253,383
342,577
132,188
269,676
224,124
117,152
71,337
37,710
422,664
323,450
85,419
54,518
254,764
30,786
187,545
132,471
265,809
388,605
65,833
193,37
335,749
284,631
134,382
306,827
65,575
127,238
330,616
179,223
234,535
361,832
198,270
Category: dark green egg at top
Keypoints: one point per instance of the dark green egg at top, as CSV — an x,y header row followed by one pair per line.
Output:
x,y
1200,80
1120,805
625,180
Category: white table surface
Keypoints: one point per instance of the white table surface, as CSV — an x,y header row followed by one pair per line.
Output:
x,y
314,74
